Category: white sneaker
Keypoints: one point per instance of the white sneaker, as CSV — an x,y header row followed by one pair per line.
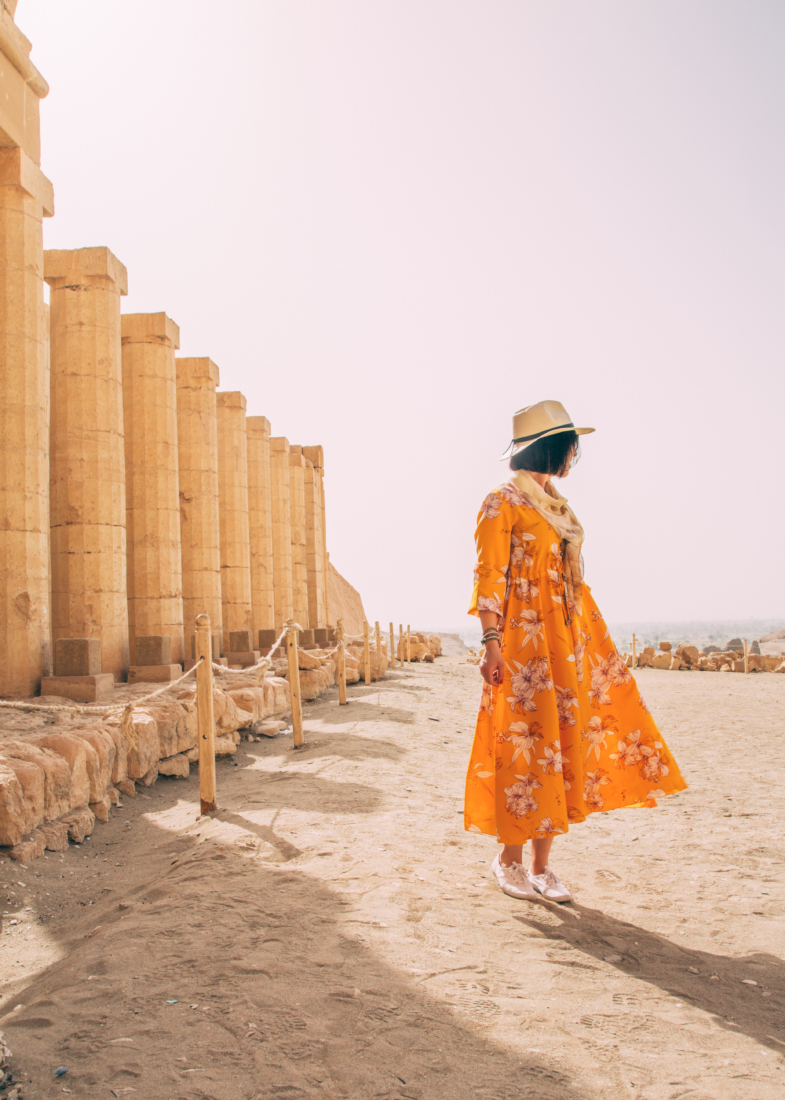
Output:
x,y
549,885
513,880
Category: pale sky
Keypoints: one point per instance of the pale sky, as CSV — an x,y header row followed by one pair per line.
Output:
x,y
393,223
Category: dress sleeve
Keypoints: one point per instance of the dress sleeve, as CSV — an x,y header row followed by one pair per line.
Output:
x,y
493,556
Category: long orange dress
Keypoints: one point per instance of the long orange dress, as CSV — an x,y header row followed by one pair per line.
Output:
x,y
567,733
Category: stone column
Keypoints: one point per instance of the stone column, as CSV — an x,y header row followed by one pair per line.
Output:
x,y
315,537
297,464
25,198
197,439
233,511
155,589
87,456
282,530
260,517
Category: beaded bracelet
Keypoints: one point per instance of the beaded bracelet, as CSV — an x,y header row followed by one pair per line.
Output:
x,y
491,636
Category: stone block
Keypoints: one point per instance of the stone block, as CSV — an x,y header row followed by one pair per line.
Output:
x,y
74,751
154,649
57,774
82,689
80,823
666,647
127,787
245,658
306,661
100,808
101,752
225,746
266,638
154,674
216,645
306,637
77,657
145,750
241,641
321,635
55,834
268,727
12,806
662,660
29,849
176,766
31,780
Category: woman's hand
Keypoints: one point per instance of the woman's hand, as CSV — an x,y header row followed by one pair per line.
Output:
x,y
492,665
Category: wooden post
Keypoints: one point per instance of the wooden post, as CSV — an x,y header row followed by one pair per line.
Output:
x,y
634,654
204,714
400,643
341,664
408,644
392,645
746,657
367,651
294,683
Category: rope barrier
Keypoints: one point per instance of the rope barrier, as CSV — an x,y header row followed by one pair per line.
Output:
x,y
261,666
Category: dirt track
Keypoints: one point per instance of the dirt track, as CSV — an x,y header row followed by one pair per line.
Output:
x,y
336,934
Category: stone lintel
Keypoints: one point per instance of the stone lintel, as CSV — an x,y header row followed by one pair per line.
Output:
x,y
315,456
72,267
196,371
279,443
258,424
150,328
231,399
16,48
17,169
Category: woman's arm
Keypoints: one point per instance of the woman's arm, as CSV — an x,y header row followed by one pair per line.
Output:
x,y
491,665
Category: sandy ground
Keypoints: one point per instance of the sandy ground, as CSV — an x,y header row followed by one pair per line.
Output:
x,y
335,933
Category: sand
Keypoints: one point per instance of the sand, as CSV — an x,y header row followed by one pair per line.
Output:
x,y
334,932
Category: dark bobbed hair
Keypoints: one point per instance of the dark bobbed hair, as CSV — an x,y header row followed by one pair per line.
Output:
x,y
553,454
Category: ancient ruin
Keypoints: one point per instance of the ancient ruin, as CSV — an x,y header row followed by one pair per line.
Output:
x,y
136,495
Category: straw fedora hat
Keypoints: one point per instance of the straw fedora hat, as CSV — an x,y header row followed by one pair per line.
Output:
x,y
540,420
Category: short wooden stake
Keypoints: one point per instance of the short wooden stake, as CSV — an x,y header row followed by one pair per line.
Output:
x,y
409,644
392,645
294,683
634,655
367,651
204,714
746,657
341,663
400,643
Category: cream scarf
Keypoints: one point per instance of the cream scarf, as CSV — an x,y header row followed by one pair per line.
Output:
x,y
554,508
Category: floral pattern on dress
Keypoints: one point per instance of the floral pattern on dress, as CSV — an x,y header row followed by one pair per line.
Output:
x,y
567,732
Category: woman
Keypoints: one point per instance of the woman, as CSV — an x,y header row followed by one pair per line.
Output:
x,y
562,730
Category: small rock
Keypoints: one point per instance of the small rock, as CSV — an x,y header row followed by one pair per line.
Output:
x,y
60,1071
612,958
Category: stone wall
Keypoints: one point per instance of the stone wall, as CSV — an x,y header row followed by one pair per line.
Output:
x,y
345,602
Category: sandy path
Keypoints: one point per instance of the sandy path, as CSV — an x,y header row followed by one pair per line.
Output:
x,y
336,934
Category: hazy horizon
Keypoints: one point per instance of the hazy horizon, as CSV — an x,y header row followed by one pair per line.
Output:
x,y
392,225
